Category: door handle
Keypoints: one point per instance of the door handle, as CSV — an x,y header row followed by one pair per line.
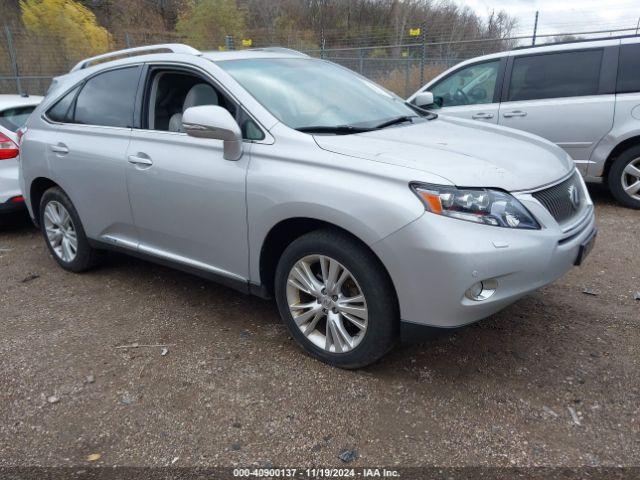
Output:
x,y
482,116
60,148
515,113
140,160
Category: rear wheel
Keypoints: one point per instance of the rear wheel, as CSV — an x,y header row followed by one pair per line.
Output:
x,y
624,178
336,299
64,234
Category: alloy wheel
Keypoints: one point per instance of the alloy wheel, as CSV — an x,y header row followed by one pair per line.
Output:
x,y
631,179
327,303
60,230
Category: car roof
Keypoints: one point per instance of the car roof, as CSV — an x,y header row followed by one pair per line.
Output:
x,y
558,46
253,53
12,101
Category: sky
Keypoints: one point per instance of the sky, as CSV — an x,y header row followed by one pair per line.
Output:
x,y
565,16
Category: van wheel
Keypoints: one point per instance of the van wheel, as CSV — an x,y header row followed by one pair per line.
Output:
x,y
63,232
624,178
336,299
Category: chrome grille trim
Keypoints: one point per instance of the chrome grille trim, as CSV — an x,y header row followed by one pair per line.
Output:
x,y
575,228
557,199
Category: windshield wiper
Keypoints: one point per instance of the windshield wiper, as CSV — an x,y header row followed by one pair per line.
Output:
x,y
337,129
395,121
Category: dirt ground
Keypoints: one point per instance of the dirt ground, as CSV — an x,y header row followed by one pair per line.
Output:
x,y
552,380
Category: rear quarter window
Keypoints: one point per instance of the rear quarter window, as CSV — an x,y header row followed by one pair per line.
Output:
x,y
60,111
629,69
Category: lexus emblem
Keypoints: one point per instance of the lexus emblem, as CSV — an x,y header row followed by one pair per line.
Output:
x,y
574,197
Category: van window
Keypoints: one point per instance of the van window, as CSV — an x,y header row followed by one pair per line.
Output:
x,y
471,85
108,99
629,69
555,75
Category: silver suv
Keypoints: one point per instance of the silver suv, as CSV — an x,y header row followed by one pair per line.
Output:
x,y
583,96
282,175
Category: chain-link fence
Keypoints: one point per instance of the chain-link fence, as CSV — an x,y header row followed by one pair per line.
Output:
x,y
28,62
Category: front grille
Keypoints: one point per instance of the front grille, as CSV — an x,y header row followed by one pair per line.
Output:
x,y
563,200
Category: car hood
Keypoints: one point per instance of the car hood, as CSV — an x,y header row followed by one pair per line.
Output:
x,y
467,153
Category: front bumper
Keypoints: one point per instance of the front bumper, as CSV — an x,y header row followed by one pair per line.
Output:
x,y
434,260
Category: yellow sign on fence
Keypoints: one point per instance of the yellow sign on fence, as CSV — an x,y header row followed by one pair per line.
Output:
x,y
247,42
415,32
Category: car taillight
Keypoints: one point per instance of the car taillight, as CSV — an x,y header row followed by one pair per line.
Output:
x,y
8,149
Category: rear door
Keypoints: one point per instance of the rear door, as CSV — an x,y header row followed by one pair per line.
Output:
x,y
88,156
471,92
564,96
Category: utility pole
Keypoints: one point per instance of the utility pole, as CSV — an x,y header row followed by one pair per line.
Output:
x,y
423,57
13,58
535,29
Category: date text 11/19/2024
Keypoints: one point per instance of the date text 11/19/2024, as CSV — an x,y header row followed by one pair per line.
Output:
x,y
316,472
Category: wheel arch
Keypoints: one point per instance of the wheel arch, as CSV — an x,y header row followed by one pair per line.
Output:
x,y
286,231
618,150
38,186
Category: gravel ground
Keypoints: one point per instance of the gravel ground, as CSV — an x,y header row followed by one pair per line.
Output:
x,y
553,380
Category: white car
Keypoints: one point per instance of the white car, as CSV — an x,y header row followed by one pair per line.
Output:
x,y
583,96
14,111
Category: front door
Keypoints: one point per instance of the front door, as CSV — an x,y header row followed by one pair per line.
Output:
x,y
188,202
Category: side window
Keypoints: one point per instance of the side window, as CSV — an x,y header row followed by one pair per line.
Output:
x,y
249,128
629,69
471,85
172,92
60,111
14,118
108,99
555,75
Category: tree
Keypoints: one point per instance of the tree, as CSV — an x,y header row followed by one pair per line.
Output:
x,y
564,39
68,23
205,23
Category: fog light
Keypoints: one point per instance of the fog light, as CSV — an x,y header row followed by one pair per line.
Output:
x,y
483,290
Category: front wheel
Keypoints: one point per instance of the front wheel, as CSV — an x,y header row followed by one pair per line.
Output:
x,y
336,299
624,178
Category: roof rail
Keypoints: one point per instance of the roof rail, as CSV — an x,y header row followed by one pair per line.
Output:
x,y
171,47
579,40
279,50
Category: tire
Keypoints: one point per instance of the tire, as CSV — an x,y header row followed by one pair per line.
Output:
x,y
365,276
83,255
617,175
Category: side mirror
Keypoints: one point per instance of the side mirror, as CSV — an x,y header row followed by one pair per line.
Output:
x,y
211,121
423,99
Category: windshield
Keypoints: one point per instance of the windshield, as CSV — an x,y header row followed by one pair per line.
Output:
x,y
305,93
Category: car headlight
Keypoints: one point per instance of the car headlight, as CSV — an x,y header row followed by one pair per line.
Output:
x,y
479,205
